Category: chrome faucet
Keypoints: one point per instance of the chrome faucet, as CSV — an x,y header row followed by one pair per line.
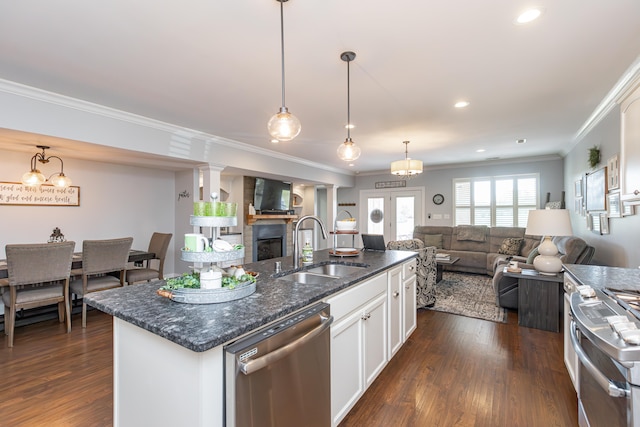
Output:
x,y
296,259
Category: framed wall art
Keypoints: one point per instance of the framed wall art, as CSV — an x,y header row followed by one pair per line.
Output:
x,y
578,188
613,173
604,224
15,193
596,190
614,205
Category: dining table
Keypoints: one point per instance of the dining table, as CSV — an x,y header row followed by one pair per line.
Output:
x,y
135,255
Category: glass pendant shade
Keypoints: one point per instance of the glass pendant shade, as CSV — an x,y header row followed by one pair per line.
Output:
x,y
284,126
33,178
60,180
348,151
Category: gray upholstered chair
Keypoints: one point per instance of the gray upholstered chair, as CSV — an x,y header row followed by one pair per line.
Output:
x,y
99,258
158,244
38,276
426,271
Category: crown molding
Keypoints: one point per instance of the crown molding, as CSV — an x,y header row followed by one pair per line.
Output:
x,y
41,95
625,85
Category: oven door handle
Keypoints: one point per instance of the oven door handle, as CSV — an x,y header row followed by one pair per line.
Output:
x,y
613,388
254,365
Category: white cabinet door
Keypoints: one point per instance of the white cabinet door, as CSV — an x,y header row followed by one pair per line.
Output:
x,y
409,305
395,303
374,322
347,381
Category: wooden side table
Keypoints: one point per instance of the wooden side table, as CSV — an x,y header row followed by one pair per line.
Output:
x,y
538,299
440,263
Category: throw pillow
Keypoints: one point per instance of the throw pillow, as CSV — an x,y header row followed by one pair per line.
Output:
x,y
510,246
534,253
433,240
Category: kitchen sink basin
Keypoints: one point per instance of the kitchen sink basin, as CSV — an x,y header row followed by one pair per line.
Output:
x,y
308,278
322,274
338,270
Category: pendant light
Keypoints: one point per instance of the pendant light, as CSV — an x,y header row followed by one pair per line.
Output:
x,y
34,177
348,150
406,168
283,126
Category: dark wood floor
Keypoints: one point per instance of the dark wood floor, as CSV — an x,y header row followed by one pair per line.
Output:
x,y
454,371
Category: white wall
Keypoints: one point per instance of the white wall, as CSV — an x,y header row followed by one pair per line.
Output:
x,y
115,201
619,248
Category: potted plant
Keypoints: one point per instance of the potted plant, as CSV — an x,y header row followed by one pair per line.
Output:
x,y
594,156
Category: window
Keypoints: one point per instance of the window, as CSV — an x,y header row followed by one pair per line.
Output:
x,y
501,201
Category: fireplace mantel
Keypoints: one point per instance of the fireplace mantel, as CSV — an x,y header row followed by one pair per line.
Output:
x,y
251,219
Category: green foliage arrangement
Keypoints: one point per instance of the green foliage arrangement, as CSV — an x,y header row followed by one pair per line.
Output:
x,y
594,156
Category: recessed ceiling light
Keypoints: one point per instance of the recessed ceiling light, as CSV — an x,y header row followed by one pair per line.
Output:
x,y
349,126
274,141
461,104
350,164
480,150
521,141
528,16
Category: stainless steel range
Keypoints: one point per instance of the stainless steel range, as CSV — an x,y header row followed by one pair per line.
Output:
x,y
605,333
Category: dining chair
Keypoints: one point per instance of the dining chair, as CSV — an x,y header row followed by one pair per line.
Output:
x,y
99,258
158,245
38,275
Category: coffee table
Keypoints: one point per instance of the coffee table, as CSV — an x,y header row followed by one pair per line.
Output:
x,y
440,263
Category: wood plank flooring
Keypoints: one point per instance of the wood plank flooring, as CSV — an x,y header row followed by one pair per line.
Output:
x,y
453,371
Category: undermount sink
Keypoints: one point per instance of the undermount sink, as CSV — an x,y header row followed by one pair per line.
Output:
x,y
322,273
338,270
308,278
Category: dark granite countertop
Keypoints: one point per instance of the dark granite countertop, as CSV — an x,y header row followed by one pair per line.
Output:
x,y
598,276
200,327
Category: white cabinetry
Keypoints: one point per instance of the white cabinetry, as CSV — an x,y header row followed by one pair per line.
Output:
x,y
402,304
409,308
570,357
358,342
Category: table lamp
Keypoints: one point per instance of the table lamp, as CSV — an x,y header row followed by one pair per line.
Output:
x,y
548,223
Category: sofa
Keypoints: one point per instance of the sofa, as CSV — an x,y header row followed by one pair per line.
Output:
x,y
425,271
478,247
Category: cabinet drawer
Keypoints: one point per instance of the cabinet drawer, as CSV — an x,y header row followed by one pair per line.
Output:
x,y
408,269
354,297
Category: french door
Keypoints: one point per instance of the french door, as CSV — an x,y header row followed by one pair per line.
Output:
x,y
392,213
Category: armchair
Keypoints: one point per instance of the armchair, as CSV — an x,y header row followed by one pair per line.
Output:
x,y
425,271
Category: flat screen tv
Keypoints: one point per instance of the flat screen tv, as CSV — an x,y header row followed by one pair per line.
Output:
x,y
271,196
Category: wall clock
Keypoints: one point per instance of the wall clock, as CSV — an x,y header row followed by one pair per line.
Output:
x,y
438,199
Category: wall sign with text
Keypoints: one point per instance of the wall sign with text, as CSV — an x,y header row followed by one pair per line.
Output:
x,y
15,193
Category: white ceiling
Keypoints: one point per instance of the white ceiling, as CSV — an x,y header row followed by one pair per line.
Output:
x,y
214,66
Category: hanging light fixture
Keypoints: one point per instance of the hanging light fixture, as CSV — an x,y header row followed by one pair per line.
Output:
x,y
283,126
35,178
406,168
348,150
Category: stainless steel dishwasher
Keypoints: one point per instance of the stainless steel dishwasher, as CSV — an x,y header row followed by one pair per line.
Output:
x,y
280,375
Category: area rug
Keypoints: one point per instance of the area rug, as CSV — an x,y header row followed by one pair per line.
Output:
x,y
468,295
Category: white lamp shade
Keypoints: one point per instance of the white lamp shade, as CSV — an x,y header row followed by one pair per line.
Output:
x,y
284,126
549,222
406,167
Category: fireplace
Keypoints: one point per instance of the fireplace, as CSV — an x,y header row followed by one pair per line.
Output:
x,y
269,241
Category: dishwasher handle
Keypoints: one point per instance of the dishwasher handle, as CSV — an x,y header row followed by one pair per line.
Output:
x,y
254,365
613,388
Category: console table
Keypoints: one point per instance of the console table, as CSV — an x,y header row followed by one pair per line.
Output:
x,y
538,299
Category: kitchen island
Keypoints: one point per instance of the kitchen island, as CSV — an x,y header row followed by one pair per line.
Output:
x,y
168,356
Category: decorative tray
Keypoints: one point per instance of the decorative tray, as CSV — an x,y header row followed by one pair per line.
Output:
x,y
209,296
343,252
